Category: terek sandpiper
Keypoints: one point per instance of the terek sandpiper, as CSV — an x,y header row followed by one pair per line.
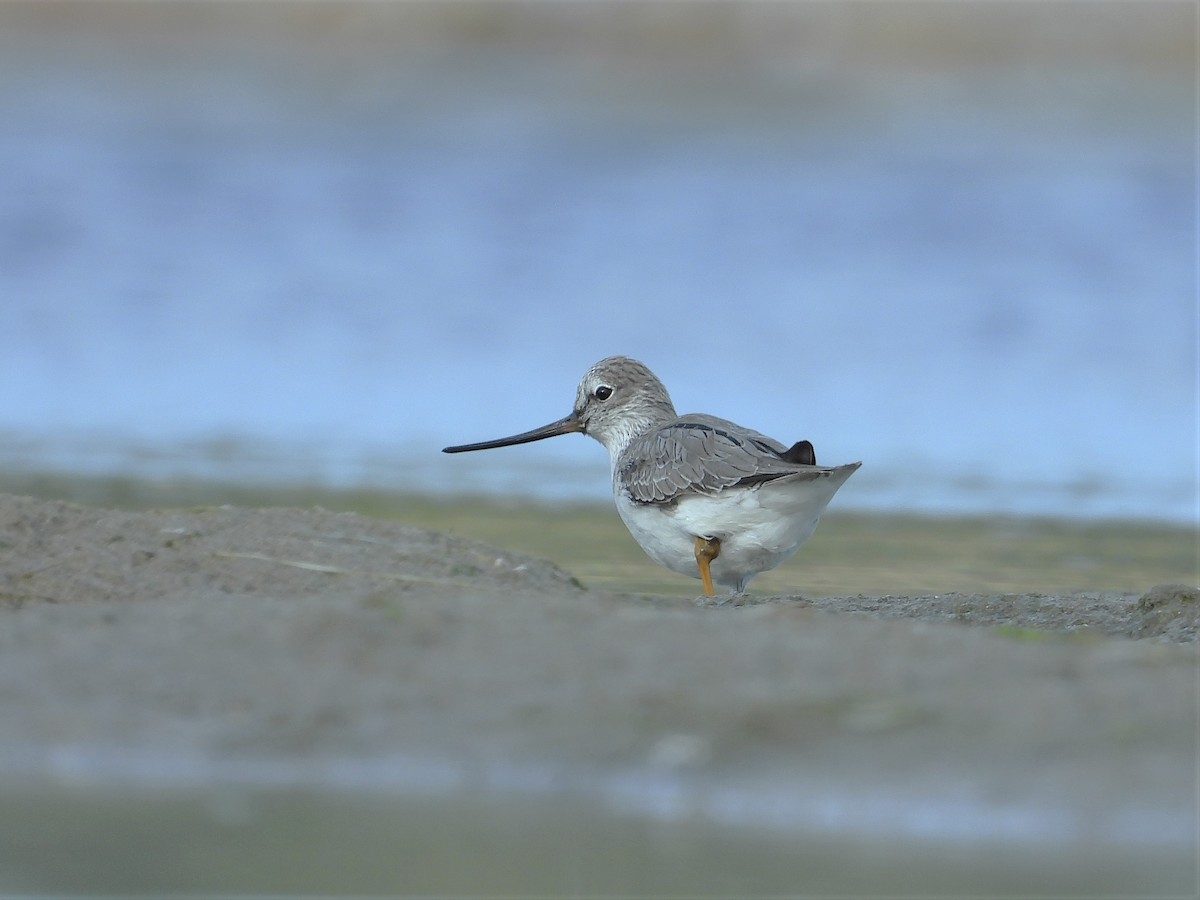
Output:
x,y
703,496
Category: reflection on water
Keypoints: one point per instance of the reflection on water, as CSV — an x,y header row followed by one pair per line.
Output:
x,y
978,279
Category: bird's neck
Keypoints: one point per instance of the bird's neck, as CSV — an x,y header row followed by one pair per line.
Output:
x,y
619,435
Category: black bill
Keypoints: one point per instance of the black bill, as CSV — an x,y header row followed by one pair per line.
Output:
x,y
567,425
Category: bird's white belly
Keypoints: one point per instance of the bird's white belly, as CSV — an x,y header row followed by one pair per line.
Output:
x,y
753,538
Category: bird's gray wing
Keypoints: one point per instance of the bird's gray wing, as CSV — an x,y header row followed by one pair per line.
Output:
x,y
700,454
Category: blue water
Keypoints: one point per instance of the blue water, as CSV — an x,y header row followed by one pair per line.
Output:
x,y
256,266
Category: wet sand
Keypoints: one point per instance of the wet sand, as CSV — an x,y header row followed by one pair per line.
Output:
x,y
233,672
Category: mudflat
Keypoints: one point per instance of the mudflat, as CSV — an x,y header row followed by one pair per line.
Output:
x,y
401,690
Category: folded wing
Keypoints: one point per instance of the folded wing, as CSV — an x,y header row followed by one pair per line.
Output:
x,y
704,455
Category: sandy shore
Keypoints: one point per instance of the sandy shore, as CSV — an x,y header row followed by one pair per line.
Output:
x,y
1019,743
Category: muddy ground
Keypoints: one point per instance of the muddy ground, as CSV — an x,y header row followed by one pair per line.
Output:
x,y
341,656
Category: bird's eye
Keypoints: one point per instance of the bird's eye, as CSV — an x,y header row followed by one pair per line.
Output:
x,y
603,392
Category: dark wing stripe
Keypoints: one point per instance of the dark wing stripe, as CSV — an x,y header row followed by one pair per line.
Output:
x,y
697,457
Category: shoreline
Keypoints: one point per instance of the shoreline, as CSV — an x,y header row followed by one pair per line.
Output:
x,y
852,552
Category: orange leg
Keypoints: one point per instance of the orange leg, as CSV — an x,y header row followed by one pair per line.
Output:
x,y
707,549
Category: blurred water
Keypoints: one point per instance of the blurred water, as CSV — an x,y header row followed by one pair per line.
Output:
x,y
241,837
253,265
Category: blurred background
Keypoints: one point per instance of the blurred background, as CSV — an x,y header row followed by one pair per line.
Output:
x,y
300,247
316,242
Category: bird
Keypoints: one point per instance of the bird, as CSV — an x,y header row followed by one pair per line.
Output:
x,y
703,496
